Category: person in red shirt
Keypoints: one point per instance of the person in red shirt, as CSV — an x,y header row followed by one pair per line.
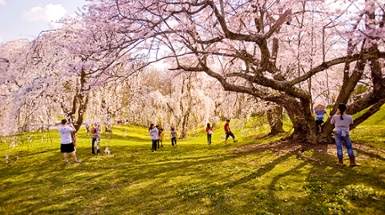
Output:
x,y
228,131
209,131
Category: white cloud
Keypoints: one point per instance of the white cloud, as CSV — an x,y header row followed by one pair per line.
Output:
x,y
2,2
49,13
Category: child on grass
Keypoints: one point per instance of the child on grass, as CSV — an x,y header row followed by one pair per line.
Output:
x,y
173,137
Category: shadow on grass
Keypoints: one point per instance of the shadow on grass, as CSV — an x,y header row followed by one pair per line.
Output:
x,y
190,178
370,154
116,137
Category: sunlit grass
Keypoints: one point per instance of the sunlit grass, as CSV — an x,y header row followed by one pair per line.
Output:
x,y
252,176
372,131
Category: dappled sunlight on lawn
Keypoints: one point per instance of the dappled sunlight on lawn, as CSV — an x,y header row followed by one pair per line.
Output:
x,y
237,178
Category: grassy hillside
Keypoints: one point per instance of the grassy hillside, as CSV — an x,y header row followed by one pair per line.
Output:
x,y
253,176
372,131
378,119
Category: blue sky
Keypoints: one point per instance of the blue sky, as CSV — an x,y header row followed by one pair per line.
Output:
x,y
25,19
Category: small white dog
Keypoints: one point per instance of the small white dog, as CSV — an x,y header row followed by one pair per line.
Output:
x,y
107,151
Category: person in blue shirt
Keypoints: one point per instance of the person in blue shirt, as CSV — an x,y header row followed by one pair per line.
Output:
x,y
320,113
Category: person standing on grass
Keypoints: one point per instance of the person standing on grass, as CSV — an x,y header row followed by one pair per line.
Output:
x,y
173,136
95,131
209,132
154,136
67,145
342,121
161,135
319,113
158,141
228,131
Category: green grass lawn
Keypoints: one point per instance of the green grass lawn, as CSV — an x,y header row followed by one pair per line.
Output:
x,y
256,175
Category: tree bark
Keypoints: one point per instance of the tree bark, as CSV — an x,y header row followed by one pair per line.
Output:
x,y
304,127
274,116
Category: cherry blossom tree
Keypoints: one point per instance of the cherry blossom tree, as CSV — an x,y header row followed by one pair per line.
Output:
x,y
272,50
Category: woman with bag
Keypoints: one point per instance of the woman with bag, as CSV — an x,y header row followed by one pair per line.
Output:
x,y
209,131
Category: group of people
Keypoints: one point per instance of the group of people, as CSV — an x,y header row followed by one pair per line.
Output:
x,y
67,145
228,132
341,122
157,134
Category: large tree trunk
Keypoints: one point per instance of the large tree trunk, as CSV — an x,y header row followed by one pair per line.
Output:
x,y
79,105
274,116
185,120
304,128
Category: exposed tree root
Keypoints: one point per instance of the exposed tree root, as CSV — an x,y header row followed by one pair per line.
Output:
x,y
300,154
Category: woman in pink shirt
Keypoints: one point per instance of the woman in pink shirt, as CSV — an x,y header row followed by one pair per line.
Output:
x,y
209,132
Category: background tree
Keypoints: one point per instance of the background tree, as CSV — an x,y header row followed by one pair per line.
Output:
x,y
26,99
59,69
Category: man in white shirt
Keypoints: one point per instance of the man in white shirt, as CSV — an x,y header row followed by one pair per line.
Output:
x,y
67,145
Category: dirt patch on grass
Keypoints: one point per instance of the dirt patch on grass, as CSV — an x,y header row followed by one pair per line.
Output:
x,y
284,148
277,146
361,150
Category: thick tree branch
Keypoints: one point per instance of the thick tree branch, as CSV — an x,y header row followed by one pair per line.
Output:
x,y
337,61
